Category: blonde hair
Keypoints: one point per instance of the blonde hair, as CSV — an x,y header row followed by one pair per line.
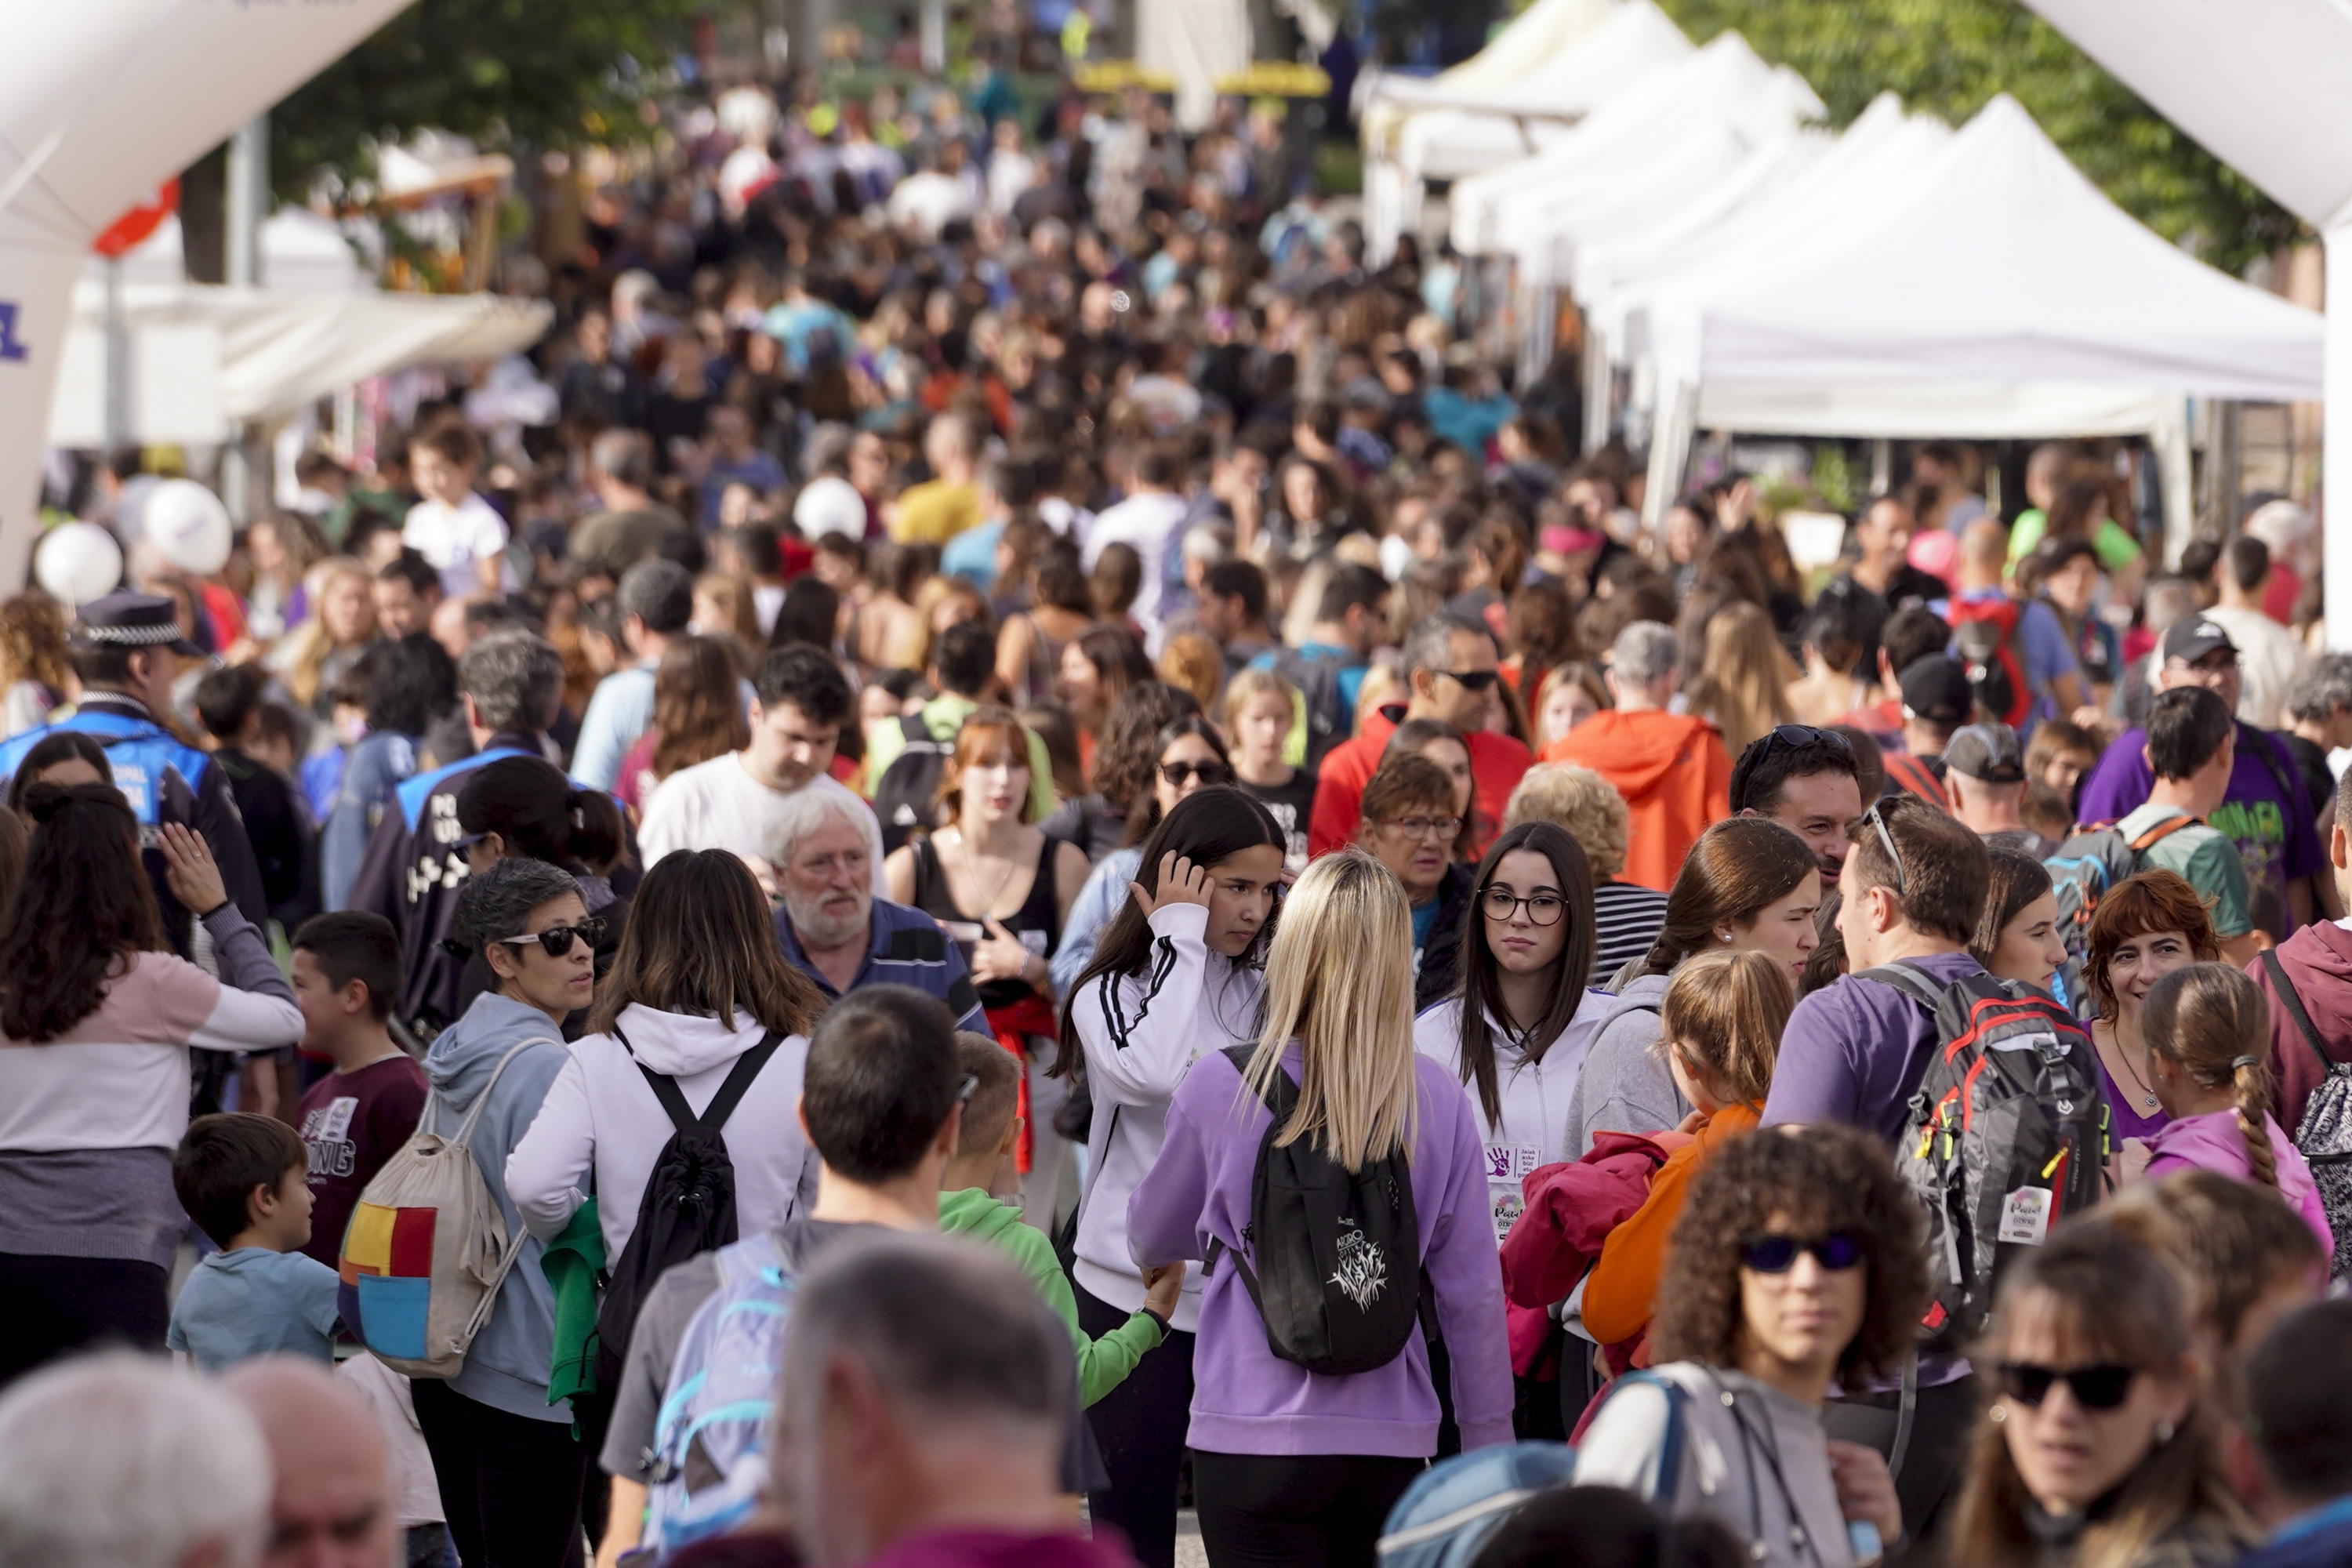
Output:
x,y
733,595
1580,800
1247,688
2210,1021
1192,662
1346,923
302,656
1743,681
1723,1014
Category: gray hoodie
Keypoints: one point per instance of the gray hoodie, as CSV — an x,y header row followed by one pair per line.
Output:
x,y
1625,1086
508,1364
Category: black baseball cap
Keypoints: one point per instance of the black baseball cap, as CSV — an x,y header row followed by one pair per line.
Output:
x,y
1987,752
1936,690
133,621
2191,637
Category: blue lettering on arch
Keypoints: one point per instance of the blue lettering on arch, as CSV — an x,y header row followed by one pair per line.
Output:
x,y
11,348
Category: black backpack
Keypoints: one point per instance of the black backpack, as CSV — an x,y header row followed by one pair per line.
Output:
x,y
906,795
2006,1136
1338,1255
688,1207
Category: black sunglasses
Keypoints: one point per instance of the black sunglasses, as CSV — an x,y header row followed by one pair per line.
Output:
x,y
1837,1251
2100,1387
556,940
1470,679
1795,736
1886,839
1209,772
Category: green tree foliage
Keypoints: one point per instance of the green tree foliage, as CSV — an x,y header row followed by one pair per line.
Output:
x,y
548,73
1947,58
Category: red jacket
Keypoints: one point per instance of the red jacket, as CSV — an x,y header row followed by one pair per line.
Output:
x,y
1571,1207
2318,964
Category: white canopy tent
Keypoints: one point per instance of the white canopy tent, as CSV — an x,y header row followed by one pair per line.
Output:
x,y
99,101
2041,309
2261,84
1555,63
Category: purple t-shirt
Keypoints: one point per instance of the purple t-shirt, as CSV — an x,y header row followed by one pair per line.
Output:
x,y
1854,1051
2126,1116
2272,827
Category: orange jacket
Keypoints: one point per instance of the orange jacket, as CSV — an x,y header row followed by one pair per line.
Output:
x,y
1624,1282
1673,772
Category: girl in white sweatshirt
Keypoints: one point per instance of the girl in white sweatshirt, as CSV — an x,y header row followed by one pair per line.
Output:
x,y
1175,977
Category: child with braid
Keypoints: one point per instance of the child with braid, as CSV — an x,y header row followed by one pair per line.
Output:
x,y
2208,1029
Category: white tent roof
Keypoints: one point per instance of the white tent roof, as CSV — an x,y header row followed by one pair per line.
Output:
x,y
1723,83
1591,264
1533,36
1999,264
203,357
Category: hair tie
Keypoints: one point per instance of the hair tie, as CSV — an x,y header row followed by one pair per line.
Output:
x,y
2237,1062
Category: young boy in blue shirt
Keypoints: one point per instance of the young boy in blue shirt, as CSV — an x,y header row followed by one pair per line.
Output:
x,y
242,1179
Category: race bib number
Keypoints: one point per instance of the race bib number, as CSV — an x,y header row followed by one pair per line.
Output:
x,y
2025,1216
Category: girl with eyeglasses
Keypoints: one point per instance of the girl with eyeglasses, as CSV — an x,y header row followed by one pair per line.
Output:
x,y
510,1468
2100,1448
1412,823
524,808
1177,978
1797,1264
698,993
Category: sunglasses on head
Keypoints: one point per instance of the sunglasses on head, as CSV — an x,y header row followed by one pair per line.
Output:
x,y
1800,735
1886,841
1208,773
1838,1251
556,940
2100,1387
1470,679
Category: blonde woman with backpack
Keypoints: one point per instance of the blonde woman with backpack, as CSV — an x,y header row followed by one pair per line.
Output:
x,y
1298,1453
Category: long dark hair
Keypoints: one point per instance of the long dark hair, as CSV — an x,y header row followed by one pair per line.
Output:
x,y
810,613
1207,828
83,911
1481,986
65,745
700,941
1143,817
697,714
542,815
1737,868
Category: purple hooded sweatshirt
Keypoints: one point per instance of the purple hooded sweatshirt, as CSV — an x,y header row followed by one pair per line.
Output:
x,y
1246,1399
2214,1141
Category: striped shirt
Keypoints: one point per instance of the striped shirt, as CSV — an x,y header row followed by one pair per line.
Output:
x,y
1626,918
904,947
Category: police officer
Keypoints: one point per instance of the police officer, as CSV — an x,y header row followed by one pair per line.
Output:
x,y
121,648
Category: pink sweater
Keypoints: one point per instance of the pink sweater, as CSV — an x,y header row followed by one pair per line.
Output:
x,y
2214,1141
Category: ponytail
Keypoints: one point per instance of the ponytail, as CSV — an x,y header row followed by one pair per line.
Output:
x,y
598,837
542,815
2211,1023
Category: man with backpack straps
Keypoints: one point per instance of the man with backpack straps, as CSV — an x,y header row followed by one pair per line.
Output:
x,y
2307,981
905,763
880,1102
1328,669
2264,809
1855,1052
2021,663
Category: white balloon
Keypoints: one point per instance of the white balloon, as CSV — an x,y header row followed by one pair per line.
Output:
x,y
189,524
78,562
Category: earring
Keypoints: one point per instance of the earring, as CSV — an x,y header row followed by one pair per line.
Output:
x,y
1998,1413
2163,1433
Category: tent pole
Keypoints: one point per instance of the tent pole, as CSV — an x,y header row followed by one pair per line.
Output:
x,y
2337,427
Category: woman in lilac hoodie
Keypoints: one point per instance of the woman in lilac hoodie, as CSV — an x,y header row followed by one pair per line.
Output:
x,y
2208,1031
1288,1464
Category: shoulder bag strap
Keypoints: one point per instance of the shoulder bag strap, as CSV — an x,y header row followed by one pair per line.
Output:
x,y
1902,977
747,1069
474,1112
2162,831
2293,1005
665,1088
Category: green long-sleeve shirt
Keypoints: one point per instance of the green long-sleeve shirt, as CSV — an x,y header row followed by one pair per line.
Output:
x,y
1103,1363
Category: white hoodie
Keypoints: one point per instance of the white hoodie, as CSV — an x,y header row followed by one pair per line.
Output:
x,y
602,1112
1534,1095
1142,1033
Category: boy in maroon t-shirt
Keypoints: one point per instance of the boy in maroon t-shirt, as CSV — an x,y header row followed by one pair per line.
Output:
x,y
346,972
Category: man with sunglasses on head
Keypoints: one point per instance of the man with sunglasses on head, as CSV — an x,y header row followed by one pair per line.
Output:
x,y
1808,781
1671,767
1450,667
1855,1052
2265,811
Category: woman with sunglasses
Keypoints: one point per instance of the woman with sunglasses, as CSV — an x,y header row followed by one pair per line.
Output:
x,y
2099,1449
1797,1263
2148,926
510,1468
524,808
1412,823
701,996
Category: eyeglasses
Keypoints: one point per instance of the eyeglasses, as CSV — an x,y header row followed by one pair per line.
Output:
x,y
1470,679
1425,827
1501,904
1796,736
1887,840
1209,773
2102,1387
1838,1251
556,940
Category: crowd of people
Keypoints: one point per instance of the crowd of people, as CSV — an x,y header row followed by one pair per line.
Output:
x,y
1053,864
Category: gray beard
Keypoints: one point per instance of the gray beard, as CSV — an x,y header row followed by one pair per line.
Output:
x,y
817,928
